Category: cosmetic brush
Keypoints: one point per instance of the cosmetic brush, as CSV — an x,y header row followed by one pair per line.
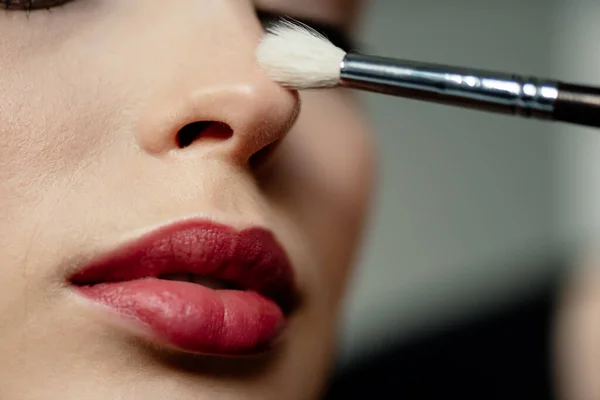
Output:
x,y
300,58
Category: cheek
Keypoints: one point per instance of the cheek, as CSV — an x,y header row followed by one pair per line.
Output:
x,y
326,166
577,348
339,145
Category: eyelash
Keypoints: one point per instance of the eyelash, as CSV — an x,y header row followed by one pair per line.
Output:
x,y
337,36
30,5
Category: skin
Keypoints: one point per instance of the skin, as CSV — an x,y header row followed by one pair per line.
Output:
x,y
93,96
577,355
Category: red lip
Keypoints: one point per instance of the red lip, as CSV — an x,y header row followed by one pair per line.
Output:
x,y
188,315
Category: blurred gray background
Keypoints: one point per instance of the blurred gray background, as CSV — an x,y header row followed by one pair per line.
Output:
x,y
471,204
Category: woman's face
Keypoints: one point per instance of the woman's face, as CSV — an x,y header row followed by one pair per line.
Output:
x,y
112,180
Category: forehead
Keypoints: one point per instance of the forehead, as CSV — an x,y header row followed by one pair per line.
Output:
x,y
342,12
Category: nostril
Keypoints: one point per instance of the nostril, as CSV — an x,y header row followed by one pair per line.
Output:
x,y
202,129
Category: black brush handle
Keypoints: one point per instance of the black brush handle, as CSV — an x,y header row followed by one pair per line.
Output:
x,y
578,104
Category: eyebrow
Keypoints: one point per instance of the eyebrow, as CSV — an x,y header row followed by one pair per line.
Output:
x,y
335,34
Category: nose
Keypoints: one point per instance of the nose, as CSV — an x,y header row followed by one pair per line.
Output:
x,y
210,99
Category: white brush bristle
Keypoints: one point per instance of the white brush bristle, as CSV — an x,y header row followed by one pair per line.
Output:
x,y
299,58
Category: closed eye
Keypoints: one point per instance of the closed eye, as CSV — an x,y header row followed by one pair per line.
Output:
x,y
334,34
30,5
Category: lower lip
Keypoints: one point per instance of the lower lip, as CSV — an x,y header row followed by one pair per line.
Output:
x,y
195,318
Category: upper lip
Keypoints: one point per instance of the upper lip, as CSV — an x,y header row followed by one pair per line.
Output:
x,y
251,259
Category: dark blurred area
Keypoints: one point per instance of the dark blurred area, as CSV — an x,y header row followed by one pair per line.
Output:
x,y
504,354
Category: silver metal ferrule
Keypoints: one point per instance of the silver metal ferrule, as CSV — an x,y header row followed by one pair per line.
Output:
x,y
483,90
